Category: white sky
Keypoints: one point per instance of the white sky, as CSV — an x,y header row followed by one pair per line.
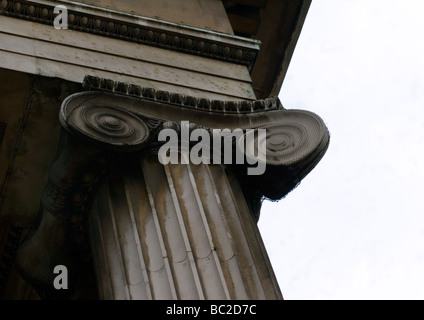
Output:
x,y
354,228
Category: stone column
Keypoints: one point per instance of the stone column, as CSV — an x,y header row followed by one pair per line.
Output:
x,y
178,232
174,231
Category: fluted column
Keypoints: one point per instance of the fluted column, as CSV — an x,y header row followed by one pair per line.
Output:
x,y
178,232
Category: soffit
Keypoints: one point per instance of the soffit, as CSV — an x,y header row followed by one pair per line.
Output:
x,y
277,24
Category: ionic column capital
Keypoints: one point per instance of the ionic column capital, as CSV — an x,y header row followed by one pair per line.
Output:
x,y
116,121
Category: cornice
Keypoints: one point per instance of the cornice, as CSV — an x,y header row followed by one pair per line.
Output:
x,y
142,30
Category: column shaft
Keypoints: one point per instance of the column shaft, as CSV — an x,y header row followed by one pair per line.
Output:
x,y
177,232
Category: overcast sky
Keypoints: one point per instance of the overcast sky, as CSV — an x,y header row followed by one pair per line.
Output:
x,y
354,228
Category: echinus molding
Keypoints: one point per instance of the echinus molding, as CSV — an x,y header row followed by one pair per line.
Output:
x,y
181,100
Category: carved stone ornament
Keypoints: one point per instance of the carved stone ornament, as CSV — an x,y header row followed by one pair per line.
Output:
x,y
181,100
107,125
144,34
116,121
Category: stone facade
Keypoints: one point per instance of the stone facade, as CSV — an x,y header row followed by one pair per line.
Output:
x,y
82,184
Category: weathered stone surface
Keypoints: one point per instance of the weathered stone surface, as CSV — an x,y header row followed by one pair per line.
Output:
x,y
207,14
177,232
30,106
150,53
180,231
109,132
